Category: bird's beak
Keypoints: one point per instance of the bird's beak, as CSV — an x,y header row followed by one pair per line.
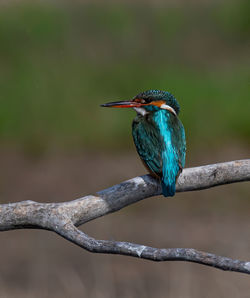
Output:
x,y
122,104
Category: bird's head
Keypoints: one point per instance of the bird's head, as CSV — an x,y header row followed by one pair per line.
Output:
x,y
149,101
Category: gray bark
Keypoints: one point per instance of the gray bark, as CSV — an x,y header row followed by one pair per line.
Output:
x,y
63,218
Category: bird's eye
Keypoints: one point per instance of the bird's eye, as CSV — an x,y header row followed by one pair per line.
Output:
x,y
142,100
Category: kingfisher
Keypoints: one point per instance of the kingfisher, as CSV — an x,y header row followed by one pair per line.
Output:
x,y
158,134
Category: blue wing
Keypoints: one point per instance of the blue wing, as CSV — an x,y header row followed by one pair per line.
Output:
x,y
160,142
148,145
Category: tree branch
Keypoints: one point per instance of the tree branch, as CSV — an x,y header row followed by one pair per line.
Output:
x,y
63,218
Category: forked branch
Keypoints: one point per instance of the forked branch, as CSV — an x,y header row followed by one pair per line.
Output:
x,y
63,218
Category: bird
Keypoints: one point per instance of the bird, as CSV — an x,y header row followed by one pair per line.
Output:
x,y
158,134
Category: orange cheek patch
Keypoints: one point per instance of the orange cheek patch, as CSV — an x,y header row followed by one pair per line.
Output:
x,y
157,103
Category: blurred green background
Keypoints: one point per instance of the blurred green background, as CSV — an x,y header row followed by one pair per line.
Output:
x,y
59,60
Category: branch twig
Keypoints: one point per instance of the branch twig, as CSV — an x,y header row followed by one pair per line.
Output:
x,y
63,218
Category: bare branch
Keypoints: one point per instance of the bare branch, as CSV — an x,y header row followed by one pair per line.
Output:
x,y
63,218
70,232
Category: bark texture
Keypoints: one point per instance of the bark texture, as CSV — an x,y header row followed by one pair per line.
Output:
x,y
63,218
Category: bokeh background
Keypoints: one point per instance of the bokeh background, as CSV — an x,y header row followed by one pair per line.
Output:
x,y
59,60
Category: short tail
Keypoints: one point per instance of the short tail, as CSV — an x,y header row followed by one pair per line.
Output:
x,y
168,190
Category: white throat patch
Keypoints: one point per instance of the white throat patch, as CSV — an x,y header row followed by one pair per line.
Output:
x,y
141,111
167,107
